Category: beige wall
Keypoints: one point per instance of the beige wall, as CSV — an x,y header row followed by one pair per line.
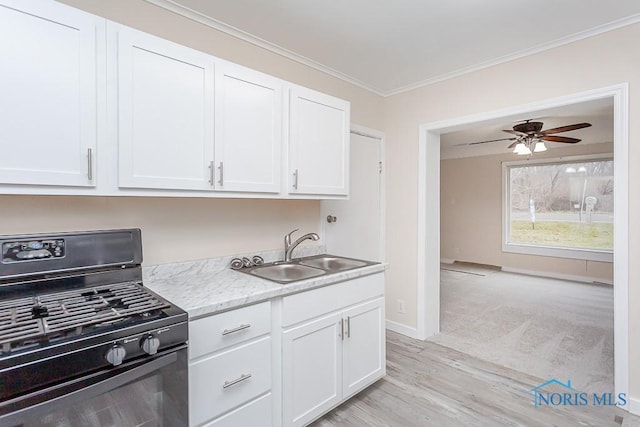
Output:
x,y
173,229
186,229
471,216
597,62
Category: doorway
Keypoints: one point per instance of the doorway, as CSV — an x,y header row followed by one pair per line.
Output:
x,y
428,286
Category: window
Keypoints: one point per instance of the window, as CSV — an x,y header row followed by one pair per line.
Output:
x,y
559,207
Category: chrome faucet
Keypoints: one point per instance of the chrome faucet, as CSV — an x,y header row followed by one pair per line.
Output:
x,y
289,247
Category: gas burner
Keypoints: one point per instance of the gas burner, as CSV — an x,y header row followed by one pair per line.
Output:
x,y
40,319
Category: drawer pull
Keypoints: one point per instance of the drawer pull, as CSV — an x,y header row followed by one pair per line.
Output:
x,y
236,381
236,329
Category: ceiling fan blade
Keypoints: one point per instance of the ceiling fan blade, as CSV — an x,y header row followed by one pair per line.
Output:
x,y
515,132
565,128
491,140
554,138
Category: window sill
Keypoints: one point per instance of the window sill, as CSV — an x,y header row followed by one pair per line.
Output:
x,y
558,252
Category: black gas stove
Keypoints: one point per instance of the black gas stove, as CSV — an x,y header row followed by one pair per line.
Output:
x,y
73,312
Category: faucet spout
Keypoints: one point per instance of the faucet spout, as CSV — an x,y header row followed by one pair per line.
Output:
x,y
289,247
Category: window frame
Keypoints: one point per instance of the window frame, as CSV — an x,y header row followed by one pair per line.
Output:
x,y
601,255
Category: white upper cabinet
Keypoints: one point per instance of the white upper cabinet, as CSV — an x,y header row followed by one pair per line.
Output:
x,y
165,114
318,143
248,147
48,88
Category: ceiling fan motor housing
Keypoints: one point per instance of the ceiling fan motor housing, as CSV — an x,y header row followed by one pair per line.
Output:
x,y
528,127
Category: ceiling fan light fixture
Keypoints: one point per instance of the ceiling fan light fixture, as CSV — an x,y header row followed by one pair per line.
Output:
x,y
540,147
521,149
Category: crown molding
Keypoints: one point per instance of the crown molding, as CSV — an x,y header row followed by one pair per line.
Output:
x,y
196,16
613,25
257,41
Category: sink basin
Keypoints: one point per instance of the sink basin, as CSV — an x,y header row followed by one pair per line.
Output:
x,y
285,273
329,263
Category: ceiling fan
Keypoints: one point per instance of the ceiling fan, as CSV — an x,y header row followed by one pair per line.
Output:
x,y
529,136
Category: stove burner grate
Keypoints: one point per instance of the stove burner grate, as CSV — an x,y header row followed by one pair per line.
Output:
x,y
43,318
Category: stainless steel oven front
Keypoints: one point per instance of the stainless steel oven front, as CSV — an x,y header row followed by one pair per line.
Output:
x,y
147,392
82,341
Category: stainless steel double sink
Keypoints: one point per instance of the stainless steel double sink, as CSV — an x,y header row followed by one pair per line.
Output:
x,y
305,268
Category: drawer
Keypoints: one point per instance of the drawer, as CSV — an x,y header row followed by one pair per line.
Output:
x,y
255,413
220,331
216,384
307,305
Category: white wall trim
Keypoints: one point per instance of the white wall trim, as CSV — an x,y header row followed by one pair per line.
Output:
x,y
614,25
200,18
447,261
196,16
428,280
561,276
400,328
634,405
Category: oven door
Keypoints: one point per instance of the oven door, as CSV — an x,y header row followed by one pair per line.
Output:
x,y
147,392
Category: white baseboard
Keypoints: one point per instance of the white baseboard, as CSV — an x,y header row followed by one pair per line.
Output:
x,y
447,261
634,406
409,331
560,276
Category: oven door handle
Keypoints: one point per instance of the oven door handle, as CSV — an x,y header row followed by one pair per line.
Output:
x,y
23,415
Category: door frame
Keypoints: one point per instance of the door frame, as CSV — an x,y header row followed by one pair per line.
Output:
x,y
428,227
378,135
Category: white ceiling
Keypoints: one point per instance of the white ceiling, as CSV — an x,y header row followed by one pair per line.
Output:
x,y
388,46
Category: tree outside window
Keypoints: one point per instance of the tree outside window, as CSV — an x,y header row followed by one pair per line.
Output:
x,y
564,204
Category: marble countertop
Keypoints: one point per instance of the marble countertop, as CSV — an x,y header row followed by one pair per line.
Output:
x,y
209,286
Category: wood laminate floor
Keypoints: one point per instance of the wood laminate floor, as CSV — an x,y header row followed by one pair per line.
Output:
x,y
428,384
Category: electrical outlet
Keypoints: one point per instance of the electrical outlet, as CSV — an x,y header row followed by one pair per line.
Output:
x,y
401,307
456,250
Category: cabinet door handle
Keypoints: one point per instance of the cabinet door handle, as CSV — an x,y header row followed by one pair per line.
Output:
x,y
242,377
348,326
342,329
295,179
90,164
212,171
221,167
236,329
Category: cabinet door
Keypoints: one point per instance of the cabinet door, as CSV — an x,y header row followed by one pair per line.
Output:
x,y
312,374
248,130
319,143
165,113
363,346
47,93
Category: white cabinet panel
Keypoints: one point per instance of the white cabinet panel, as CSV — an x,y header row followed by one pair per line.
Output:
x,y
319,143
223,330
165,113
363,346
255,413
327,359
228,379
312,369
248,130
48,90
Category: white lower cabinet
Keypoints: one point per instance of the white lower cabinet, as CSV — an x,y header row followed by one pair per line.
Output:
x,y
255,413
230,368
329,358
288,361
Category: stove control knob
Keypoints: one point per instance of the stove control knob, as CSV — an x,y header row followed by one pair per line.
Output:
x,y
150,344
116,354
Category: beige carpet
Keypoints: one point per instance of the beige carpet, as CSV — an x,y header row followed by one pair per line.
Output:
x,y
544,327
